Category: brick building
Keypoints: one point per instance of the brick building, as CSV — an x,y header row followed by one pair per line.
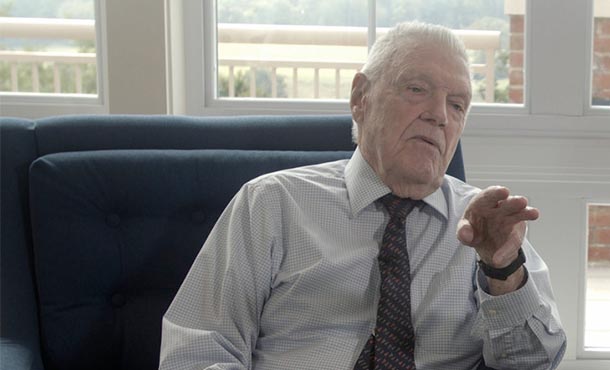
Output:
x,y
599,234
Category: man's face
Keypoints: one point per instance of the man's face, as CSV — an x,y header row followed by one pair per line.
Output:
x,y
410,121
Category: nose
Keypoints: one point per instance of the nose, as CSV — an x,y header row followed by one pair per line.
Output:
x,y
435,111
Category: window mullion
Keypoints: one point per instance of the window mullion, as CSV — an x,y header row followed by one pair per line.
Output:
x,y
200,31
372,24
556,56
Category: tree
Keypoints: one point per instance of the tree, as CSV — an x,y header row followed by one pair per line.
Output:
x,y
242,84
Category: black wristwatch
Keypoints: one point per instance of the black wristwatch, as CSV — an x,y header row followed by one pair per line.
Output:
x,y
505,272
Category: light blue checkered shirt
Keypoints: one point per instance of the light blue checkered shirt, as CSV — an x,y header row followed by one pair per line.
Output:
x,y
288,279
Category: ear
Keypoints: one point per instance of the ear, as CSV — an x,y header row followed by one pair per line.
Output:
x,y
357,101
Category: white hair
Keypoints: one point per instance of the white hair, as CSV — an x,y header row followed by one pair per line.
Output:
x,y
401,40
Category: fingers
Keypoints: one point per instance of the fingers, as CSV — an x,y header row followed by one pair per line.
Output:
x,y
465,232
494,224
490,197
516,208
497,200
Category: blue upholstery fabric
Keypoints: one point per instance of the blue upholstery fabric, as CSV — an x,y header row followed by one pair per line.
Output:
x,y
19,331
120,205
331,132
115,233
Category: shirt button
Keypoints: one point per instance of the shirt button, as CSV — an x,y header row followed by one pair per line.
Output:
x,y
492,312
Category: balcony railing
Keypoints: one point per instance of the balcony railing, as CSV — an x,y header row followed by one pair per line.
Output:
x,y
46,28
37,59
36,28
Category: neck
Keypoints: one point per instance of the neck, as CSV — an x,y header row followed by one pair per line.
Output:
x,y
413,191
409,184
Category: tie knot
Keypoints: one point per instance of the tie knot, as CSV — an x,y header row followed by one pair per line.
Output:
x,y
397,206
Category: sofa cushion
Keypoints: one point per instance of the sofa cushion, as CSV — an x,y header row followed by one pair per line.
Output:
x,y
115,233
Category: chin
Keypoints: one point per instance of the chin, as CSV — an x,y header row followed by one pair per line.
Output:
x,y
415,175
434,181
429,176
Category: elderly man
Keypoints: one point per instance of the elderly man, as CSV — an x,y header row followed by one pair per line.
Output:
x,y
377,262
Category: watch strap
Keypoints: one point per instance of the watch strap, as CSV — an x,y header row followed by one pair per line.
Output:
x,y
505,272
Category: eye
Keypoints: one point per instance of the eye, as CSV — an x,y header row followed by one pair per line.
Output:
x,y
458,107
416,89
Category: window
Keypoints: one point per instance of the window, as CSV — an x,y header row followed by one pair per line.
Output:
x,y
296,50
601,53
50,58
48,47
305,49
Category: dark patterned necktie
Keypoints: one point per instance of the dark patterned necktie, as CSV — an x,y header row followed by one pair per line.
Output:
x,y
392,345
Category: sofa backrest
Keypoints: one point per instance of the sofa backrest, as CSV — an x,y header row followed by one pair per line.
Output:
x,y
79,133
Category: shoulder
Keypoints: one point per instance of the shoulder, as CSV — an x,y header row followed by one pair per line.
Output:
x,y
281,199
458,193
459,187
317,176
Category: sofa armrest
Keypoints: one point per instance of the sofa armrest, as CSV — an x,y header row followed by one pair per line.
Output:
x,y
19,339
18,356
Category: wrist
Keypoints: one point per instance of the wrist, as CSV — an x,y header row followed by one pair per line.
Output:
x,y
514,282
504,272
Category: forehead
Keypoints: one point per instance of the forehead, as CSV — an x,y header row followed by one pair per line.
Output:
x,y
437,66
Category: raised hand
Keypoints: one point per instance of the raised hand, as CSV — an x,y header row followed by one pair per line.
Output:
x,y
494,224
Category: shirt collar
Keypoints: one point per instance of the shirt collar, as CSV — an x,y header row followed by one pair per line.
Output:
x,y
365,187
438,202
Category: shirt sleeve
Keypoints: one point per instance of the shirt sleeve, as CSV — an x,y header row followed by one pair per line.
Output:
x,y
213,321
521,329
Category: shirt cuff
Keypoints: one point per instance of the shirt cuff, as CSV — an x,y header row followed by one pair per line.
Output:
x,y
511,309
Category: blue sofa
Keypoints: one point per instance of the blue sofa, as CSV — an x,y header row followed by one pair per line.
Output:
x,y
102,216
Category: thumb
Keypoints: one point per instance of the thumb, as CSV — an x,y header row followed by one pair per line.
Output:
x,y
465,232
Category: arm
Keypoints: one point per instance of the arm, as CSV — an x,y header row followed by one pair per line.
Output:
x,y
213,321
517,319
521,329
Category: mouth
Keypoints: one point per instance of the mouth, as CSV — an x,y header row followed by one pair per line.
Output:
x,y
428,141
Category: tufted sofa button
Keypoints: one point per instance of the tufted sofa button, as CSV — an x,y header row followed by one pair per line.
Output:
x,y
113,220
198,217
118,300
